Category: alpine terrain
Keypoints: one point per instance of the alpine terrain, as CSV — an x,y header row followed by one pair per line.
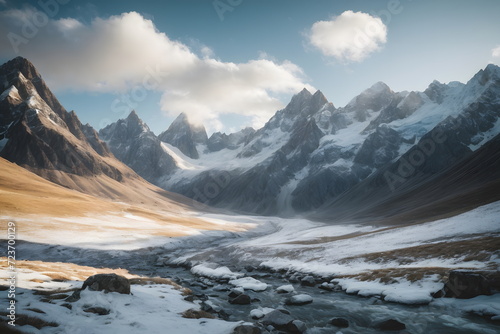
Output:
x,y
394,198
312,158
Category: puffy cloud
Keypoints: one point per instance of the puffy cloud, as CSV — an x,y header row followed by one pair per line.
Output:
x,y
349,37
126,53
495,53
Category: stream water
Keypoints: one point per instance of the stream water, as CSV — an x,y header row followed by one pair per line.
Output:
x,y
362,313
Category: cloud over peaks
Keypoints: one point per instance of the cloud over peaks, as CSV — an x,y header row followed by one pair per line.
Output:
x,y
349,37
126,52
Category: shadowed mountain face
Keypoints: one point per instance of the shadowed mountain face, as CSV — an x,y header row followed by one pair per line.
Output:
x,y
37,133
185,136
310,155
132,142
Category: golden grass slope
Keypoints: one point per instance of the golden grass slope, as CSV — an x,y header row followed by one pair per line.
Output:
x,y
43,208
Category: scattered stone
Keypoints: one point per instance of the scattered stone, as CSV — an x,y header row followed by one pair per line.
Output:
x,y
201,296
308,281
236,292
296,326
340,322
260,312
221,288
197,314
249,283
390,325
285,289
96,310
249,268
67,305
210,307
247,329
277,319
465,284
298,300
107,283
199,284
283,322
206,281
327,286
241,300
223,314
189,298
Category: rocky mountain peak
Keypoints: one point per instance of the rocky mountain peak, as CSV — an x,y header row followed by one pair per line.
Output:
x,y
133,121
490,73
132,142
185,135
133,116
379,87
318,100
40,134
124,129
435,91
302,96
23,65
183,123
374,98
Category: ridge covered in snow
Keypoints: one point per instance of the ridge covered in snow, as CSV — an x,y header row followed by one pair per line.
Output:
x,y
311,152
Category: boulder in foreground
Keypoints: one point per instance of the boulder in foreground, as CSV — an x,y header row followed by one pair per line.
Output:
x,y
107,283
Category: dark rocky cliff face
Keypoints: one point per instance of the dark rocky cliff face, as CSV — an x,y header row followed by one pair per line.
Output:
x,y
39,134
185,136
132,142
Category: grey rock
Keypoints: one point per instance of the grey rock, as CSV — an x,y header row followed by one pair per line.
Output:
x,y
340,322
299,300
277,319
308,281
247,329
466,284
241,300
296,326
107,283
96,310
390,325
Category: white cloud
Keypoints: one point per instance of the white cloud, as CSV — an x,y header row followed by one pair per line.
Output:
x,y
349,37
495,53
126,52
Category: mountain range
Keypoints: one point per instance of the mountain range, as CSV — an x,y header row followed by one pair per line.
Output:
x,y
314,159
398,156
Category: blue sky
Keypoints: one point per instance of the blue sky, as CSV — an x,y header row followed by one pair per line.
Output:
x,y
236,65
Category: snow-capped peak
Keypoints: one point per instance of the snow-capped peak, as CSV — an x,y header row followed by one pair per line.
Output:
x,y
379,87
